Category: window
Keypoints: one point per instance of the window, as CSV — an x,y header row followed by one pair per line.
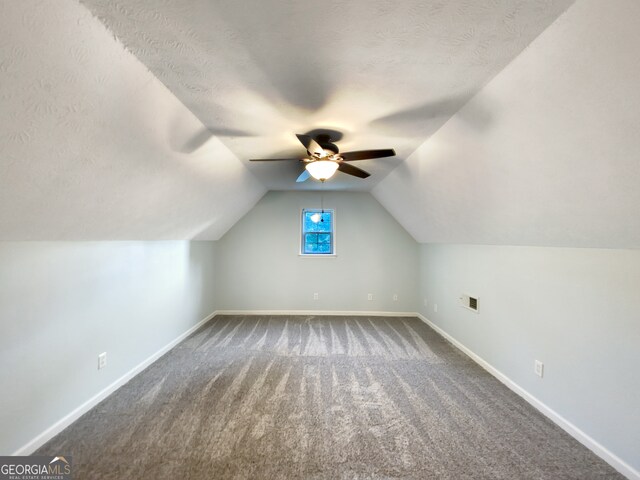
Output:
x,y
317,232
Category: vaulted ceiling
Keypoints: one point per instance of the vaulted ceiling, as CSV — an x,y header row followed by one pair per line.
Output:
x,y
381,73
137,119
557,160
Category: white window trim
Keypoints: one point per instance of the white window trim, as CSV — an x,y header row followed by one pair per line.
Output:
x,y
333,236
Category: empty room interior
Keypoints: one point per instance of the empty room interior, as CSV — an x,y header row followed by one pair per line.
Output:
x,y
320,240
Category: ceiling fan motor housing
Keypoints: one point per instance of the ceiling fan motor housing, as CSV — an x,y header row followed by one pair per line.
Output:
x,y
325,142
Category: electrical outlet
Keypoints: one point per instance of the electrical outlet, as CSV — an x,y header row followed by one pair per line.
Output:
x,y
315,296
370,296
395,297
538,368
102,360
435,307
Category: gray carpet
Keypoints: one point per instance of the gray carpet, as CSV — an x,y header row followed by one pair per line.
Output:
x,y
319,397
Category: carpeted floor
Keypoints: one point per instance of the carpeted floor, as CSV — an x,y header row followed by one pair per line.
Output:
x,y
319,398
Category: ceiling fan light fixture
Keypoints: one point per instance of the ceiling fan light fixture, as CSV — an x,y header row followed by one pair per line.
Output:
x,y
325,158
322,169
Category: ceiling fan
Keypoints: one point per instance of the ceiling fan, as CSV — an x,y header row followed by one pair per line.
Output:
x,y
324,158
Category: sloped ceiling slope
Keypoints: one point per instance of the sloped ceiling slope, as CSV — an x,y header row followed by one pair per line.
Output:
x,y
557,162
382,73
93,146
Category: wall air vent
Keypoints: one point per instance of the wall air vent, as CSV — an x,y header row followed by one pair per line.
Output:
x,y
469,302
473,303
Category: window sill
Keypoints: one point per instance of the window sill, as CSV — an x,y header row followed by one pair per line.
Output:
x,y
322,255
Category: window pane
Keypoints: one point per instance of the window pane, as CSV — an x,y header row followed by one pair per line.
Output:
x,y
311,238
310,248
324,248
324,238
309,225
323,225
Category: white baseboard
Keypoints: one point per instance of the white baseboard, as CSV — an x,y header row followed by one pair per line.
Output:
x,y
609,457
613,460
356,313
71,417
68,419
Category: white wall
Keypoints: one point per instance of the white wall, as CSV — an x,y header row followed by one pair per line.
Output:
x,y
259,262
546,154
576,310
63,303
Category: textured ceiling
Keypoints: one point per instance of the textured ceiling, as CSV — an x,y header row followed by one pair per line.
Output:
x,y
94,147
559,164
385,74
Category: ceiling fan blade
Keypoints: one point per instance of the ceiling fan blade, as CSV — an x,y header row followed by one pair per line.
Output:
x,y
274,159
311,145
351,170
368,154
303,176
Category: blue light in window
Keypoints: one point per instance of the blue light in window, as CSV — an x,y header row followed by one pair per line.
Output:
x,y
317,232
